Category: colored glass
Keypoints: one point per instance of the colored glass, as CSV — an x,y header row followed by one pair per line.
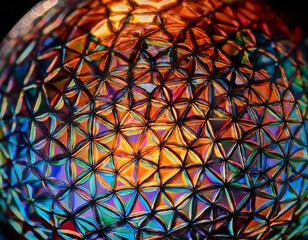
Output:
x,y
144,119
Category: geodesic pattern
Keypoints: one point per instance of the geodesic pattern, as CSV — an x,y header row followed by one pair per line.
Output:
x,y
153,120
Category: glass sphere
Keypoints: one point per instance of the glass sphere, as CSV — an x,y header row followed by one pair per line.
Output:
x,y
153,119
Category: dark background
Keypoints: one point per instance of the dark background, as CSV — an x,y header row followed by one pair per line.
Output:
x,y
293,12
10,13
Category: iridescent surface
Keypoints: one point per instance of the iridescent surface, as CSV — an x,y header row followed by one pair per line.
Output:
x,y
153,120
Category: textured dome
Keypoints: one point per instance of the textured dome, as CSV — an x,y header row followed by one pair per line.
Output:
x,y
148,119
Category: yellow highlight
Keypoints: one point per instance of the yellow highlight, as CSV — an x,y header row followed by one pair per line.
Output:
x,y
102,30
143,18
158,4
121,7
116,20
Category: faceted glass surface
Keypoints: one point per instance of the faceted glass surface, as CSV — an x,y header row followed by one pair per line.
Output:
x,y
153,119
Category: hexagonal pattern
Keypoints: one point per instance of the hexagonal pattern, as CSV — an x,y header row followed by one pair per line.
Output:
x,y
153,120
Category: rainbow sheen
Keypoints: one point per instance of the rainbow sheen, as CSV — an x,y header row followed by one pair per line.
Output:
x,y
153,119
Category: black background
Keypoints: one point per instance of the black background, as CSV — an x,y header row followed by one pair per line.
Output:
x,y
10,13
